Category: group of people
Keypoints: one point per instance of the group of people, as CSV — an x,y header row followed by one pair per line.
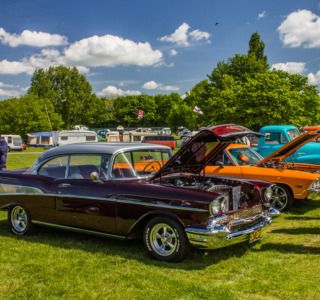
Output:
x,y
4,149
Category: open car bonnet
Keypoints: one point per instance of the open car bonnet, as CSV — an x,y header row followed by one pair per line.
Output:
x,y
291,147
203,147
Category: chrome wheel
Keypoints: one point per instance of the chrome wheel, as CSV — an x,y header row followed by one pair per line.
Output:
x,y
280,197
19,219
163,239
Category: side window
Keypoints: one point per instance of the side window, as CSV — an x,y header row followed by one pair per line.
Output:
x,y
9,139
122,166
274,138
54,168
82,165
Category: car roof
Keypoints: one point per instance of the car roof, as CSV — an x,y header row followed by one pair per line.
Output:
x,y
277,127
98,148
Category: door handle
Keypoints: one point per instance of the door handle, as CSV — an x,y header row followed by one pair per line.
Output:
x,y
64,185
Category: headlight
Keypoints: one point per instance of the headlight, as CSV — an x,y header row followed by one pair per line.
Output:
x,y
218,206
315,185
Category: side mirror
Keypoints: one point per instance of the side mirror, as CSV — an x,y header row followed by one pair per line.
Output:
x,y
94,176
220,164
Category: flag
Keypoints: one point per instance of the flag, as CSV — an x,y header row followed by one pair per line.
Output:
x,y
198,110
140,114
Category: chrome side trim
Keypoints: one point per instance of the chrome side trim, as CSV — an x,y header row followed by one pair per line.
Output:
x,y
119,201
80,230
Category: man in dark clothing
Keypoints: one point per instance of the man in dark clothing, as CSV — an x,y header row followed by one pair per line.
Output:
x,y
4,148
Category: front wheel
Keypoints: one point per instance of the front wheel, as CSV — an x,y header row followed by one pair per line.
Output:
x,y
19,220
282,198
164,239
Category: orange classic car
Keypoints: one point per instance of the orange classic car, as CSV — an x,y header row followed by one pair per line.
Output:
x,y
292,181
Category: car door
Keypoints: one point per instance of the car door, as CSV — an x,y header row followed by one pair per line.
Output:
x,y
82,201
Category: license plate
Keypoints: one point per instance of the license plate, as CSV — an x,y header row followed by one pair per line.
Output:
x,y
254,236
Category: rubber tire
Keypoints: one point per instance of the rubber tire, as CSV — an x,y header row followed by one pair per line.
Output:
x,y
29,222
290,197
183,246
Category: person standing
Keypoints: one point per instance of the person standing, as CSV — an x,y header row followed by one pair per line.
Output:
x,y
4,149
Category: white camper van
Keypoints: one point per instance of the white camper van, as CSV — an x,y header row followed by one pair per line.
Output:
x,y
76,136
14,141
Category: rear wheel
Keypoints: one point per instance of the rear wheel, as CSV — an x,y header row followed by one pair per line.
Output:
x,y
164,239
282,198
19,220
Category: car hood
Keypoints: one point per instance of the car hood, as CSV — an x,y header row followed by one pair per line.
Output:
x,y
291,147
203,147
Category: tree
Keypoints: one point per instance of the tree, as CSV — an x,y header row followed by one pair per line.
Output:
x,y
71,95
28,114
244,90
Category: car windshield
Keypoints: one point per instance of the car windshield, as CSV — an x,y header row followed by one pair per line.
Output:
x,y
245,156
139,163
292,133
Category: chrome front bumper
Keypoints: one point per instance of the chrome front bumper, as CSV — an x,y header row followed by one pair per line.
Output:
x,y
218,234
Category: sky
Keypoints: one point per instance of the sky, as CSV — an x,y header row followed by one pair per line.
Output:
x,y
127,47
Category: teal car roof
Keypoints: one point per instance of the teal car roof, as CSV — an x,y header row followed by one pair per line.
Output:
x,y
277,128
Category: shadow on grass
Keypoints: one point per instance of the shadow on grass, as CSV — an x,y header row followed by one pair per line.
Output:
x,y
301,230
289,248
300,207
127,249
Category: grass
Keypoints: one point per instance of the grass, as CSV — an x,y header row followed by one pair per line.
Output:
x,y
54,264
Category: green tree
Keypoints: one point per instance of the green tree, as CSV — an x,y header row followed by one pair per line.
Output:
x,y
256,48
28,114
71,95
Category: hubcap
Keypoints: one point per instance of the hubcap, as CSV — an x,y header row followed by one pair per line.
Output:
x,y
279,198
19,219
163,239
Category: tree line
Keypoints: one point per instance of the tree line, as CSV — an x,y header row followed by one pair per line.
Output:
x,y
241,90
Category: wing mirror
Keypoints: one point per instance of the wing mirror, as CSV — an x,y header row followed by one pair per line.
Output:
x,y
220,164
95,176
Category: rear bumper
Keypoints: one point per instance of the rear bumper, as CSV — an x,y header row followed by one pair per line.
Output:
x,y
218,233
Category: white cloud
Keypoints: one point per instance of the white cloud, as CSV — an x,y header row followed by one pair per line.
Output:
x,y
198,35
152,85
110,51
290,67
15,67
261,15
300,28
31,38
112,91
314,79
173,52
9,93
181,36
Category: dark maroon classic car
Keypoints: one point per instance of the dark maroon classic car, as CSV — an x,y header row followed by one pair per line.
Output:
x,y
136,191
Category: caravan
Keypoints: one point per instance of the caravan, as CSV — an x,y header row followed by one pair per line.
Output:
x,y
14,141
76,136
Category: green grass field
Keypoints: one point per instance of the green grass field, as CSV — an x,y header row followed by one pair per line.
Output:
x,y
53,264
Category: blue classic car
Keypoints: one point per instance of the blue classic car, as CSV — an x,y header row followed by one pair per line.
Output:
x,y
275,136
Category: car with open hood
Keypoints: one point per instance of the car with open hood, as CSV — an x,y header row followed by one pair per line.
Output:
x,y
291,180
111,190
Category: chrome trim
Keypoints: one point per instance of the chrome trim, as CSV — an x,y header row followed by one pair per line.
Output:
x,y
119,201
218,234
80,230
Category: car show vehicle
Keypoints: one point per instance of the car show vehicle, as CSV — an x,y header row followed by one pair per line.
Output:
x,y
110,189
291,180
273,137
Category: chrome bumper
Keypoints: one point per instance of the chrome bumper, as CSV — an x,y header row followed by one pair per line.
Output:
x,y
218,234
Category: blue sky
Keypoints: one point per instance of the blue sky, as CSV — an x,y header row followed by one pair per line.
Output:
x,y
129,47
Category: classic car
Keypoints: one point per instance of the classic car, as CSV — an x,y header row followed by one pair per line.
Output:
x,y
291,180
108,189
273,137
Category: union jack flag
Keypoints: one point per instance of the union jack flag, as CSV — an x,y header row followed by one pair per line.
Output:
x,y
140,114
